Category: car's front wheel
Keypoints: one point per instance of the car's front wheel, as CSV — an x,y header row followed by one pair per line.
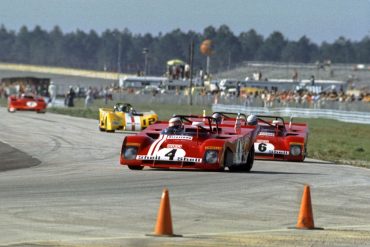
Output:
x,y
135,167
250,160
11,110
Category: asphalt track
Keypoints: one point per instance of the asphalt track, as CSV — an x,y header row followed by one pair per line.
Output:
x,y
73,192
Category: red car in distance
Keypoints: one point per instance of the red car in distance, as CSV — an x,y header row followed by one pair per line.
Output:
x,y
201,143
26,102
276,140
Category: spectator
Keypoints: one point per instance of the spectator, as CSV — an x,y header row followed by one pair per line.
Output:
x,y
89,97
238,89
69,100
52,93
106,95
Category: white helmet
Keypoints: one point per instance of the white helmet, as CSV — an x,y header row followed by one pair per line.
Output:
x,y
218,117
277,122
252,120
175,121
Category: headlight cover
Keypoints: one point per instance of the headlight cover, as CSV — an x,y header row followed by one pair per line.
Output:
x,y
211,156
129,153
295,150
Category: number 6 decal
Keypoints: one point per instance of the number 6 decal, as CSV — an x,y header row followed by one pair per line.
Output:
x,y
262,147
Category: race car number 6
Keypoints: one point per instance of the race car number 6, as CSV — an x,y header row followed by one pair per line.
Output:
x,y
262,147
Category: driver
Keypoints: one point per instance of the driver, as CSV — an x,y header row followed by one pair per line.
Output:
x,y
217,118
252,120
119,108
175,127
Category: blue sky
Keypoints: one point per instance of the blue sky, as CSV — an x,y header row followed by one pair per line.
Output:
x,y
319,20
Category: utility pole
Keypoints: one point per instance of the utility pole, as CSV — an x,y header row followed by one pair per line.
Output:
x,y
191,56
119,56
145,52
119,53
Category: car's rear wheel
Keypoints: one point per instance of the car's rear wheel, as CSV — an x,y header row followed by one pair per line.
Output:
x,y
135,167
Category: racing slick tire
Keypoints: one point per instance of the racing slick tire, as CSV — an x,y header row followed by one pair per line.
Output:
x,y
228,162
135,167
250,159
11,110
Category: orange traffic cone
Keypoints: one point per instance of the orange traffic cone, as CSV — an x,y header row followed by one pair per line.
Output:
x,y
164,220
305,217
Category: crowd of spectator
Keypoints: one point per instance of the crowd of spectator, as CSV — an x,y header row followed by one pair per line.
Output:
x,y
272,98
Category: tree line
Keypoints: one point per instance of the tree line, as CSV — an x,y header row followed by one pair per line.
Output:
x,y
122,51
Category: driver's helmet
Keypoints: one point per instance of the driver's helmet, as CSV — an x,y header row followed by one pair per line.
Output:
x,y
120,108
175,123
252,120
217,118
277,122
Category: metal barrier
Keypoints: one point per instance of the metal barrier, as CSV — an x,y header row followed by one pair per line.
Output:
x,y
344,116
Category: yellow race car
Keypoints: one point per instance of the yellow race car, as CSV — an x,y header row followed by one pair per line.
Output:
x,y
124,117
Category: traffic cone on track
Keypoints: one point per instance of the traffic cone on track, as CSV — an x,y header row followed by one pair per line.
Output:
x,y
163,227
305,217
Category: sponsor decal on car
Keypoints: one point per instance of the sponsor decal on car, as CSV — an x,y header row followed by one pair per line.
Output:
x,y
169,154
178,137
174,146
266,134
268,148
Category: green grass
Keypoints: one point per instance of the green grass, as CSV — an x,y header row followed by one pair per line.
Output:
x,y
340,142
164,111
329,140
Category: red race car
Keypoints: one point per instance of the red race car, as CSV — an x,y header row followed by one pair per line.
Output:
x,y
191,142
26,102
278,140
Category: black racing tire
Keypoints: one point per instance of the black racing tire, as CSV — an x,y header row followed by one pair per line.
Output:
x,y
247,167
136,167
228,161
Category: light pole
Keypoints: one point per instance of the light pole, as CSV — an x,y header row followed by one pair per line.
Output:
x,y
191,61
118,36
145,52
119,53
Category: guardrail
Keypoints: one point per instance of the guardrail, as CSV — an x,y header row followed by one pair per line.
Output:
x,y
344,116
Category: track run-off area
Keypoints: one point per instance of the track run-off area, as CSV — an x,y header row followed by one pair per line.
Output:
x,y
73,192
